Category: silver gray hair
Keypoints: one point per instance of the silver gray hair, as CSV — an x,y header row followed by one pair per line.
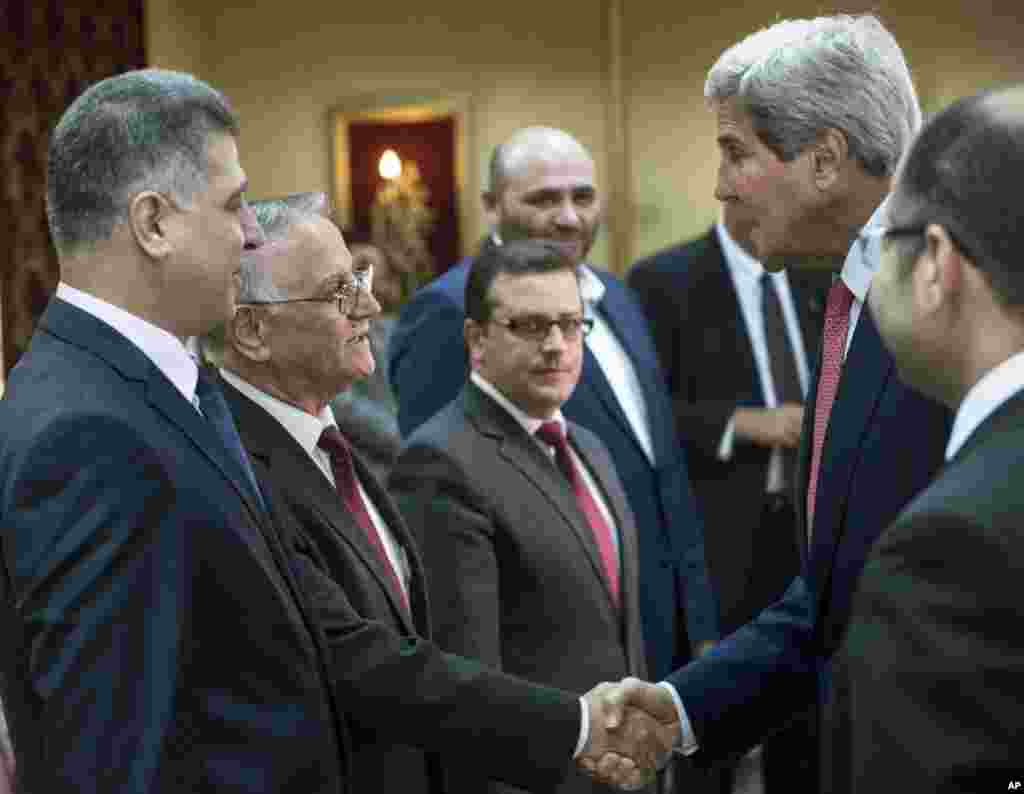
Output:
x,y
275,217
799,77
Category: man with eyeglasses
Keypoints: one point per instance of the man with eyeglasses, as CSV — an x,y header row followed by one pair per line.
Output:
x,y
930,671
297,338
527,538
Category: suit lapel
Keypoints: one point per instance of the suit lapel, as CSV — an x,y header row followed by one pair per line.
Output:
x,y
292,470
392,518
526,454
866,370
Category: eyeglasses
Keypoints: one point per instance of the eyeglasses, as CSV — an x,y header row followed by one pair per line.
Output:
x,y
346,296
536,328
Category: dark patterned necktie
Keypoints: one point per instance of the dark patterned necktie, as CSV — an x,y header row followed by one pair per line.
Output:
x,y
781,362
337,449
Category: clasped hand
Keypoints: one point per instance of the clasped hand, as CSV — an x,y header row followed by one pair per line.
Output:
x,y
633,727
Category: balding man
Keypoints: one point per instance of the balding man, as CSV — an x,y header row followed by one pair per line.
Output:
x,y
543,185
930,674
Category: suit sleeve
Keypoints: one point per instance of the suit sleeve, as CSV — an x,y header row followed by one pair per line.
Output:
x,y
456,538
101,584
929,673
407,689
427,365
753,681
665,303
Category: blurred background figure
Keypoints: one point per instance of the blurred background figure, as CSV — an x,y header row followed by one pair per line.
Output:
x,y
367,412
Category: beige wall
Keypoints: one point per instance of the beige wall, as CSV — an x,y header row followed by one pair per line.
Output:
x,y
535,61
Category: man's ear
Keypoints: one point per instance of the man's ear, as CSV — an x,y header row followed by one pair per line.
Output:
x,y
148,214
828,154
246,331
942,275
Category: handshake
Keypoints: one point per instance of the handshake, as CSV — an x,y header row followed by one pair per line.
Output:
x,y
633,728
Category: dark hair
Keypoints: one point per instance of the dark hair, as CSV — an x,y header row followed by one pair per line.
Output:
x,y
964,172
141,130
515,258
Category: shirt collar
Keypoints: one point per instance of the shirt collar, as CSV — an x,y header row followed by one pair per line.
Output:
x,y
161,347
864,255
993,389
740,262
529,423
303,427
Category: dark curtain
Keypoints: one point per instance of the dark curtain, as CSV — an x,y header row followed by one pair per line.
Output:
x,y
50,51
431,145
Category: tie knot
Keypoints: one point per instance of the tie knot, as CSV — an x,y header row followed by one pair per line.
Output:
x,y
333,442
552,434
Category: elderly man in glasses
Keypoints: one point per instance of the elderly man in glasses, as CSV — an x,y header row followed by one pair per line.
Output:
x,y
528,541
297,337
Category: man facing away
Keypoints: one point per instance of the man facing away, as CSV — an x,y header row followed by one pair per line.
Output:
x,y
529,544
929,675
813,117
297,338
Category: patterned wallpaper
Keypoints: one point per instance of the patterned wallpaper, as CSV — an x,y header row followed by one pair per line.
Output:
x,y
50,51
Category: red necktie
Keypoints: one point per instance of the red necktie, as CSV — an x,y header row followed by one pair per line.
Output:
x,y
837,323
552,434
335,445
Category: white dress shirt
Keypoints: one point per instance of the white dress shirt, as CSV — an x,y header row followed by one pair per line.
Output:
x,y
306,430
982,400
161,347
615,363
861,263
746,273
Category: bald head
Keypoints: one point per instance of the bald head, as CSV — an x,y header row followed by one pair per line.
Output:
x,y
965,172
528,145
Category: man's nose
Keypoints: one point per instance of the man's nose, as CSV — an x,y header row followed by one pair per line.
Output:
x,y
568,214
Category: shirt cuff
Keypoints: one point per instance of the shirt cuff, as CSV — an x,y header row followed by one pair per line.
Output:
x,y
687,739
581,743
728,438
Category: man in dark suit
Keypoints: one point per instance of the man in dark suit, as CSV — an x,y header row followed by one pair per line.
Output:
x,y
734,340
814,181
929,675
297,338
155,636
542,185
153,641
529,543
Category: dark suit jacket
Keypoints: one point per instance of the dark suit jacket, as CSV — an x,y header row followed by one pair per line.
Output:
x,y
397,689
153,639
930,678
512,564
427,364
883,445
706,352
